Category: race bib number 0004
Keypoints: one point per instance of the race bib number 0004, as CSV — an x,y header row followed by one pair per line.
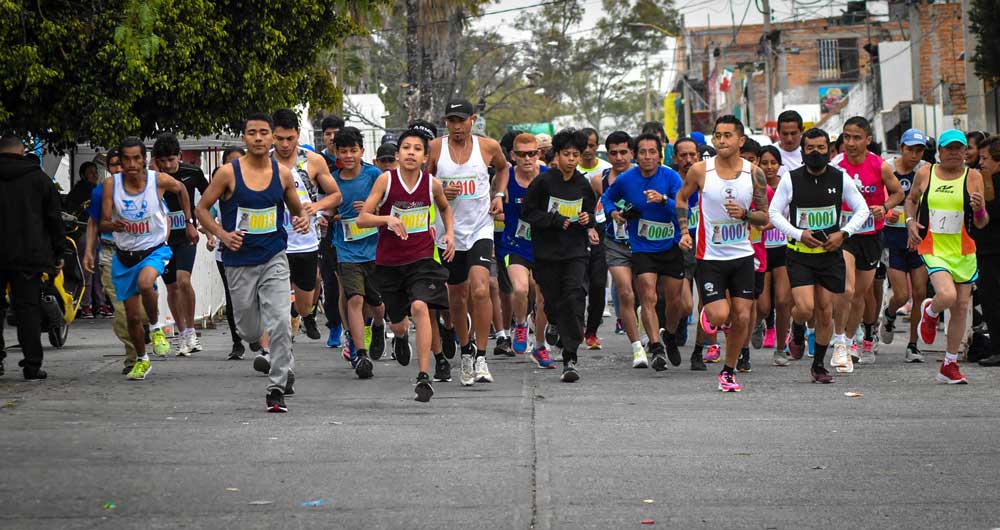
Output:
x,y
177,220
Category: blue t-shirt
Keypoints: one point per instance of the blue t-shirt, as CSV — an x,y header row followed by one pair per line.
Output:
x,y
355,245
95,207
656,230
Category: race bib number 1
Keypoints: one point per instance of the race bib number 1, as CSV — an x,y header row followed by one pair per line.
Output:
x,y
177,220
414,219
568,209
946,222
250,221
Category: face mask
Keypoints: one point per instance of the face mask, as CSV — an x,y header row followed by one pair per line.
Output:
x,y
816,161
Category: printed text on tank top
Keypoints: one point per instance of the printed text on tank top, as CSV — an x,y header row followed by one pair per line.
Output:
x,y
143,213
867,176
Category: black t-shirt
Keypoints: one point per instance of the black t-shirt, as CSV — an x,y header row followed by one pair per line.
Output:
x,y
193,179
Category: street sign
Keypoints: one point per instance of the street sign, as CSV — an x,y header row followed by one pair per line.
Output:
x,y
533,128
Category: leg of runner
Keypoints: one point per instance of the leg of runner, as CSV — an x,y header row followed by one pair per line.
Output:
x,y
670,289
119,322
899,283
863,281
597,271
622,278
955,298
564,289
331,292
646,286
238,350
540,352
783,307
503,346
520,279
842,315
869,318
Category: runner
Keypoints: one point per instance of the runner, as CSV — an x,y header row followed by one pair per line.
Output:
x,y
328,254
213,245
460,161
812,195
938,220
411,282
777,294
133,210
385,158
653,236
559,207
177,275
790,129
863,250
988,243
733,197
593,168
253,192
907,274
748,152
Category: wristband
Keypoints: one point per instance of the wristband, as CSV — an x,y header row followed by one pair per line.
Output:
x,y
980,214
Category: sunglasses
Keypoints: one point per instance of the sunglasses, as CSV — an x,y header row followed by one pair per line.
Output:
x,y
526,154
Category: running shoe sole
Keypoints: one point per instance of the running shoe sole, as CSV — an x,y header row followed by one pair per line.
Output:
x,y
659,362
364,369
569,376
424,391
261,364
920,325
941,378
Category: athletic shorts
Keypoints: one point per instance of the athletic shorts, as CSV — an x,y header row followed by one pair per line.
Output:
x,y
776,258
825,269
904,259
617,254
963,269
735,276
358,279
667,263
503,279
302,269
401,285
881,270
758,284
516,259
690,264
182,260
126,279
481,255
867,251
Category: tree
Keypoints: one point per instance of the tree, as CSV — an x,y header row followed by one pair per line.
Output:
x,y
985,18
99,70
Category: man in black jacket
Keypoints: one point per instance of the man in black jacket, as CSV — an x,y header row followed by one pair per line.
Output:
x,y
33,236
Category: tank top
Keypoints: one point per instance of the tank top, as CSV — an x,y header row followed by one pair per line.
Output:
x,y
471,209
720,237
894,233
945,212
301,243
867,176
517,232
413,208
144,215
773,238
258,214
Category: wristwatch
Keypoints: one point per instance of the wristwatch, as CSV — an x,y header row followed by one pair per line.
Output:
x,y
499,194
190,222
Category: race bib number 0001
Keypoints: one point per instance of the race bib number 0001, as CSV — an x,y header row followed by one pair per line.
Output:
x,y
137,227
251,221
946,222
177,220
568,209
868,227
727,232
653,231
467,187
414,219
353,233
814,219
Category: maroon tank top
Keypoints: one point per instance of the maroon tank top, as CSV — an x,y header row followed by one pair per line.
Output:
x,y
413,208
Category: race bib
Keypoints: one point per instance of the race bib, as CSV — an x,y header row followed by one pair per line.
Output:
x,y
653,231
498,225
946,222
694,215
568,209
900,222
621,231
756,236
353,233
137,227
814,219
523,230
414,219
599,216
251,221
869,226
177,220
467,187
727,232
773,238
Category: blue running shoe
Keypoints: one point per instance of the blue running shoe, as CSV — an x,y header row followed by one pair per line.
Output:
x,y
541,357
335,338
520,343
811,339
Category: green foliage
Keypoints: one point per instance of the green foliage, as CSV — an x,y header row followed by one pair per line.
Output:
x,y
985,19
97,71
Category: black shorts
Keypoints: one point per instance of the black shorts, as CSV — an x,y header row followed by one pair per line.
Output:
x,y
401,285
866,249
758,284
302,269
825,269
358,279
716,278
776,258
880,270
503,279
904,259
481,255
667,263
182,260
515,259
690,264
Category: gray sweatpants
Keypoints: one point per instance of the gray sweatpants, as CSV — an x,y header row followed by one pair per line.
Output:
x,y
261,302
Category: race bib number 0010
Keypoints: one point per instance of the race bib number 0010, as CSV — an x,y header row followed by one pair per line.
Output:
x,y
568,209
467,186
251,221
414,219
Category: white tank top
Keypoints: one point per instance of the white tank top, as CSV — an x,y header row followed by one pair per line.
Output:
x,y
301,243
471,208
144,215
720,237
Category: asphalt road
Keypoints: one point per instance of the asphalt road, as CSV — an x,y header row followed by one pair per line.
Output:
x,y
192,447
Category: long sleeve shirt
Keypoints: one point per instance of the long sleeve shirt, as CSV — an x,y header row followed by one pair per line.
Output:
x,y
656,229
783,197
549,201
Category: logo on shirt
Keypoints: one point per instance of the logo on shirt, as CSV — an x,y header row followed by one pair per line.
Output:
x,y
945,188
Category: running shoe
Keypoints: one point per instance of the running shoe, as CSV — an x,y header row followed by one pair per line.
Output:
x,y
607,312
840,357
520,342
811,339
401,350
262,364
697,362
363,366
859,334
713,353
139,370
848,366
727,382
639,358
254,347
855,354
670,344
707,326
276,401
770,338
236,354
905,310
423,390
349,352
795,349
183,349
105,311
87,313
867,353
377,347
887,330
503,347
442,370
312,331
569,374
160,345
951,375
820,375
448,342
540,355
619,327
779,358
927,329
659,357
468,376
333,340
551,334
194,342
913,354
483,374
757,337
593,343
743,363
290,384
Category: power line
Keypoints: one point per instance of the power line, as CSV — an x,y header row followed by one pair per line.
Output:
x,y
470,17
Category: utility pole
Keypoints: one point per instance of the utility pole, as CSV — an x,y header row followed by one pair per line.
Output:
x,y
975,98
767,61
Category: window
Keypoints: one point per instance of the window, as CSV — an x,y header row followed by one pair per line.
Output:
x,y
838,59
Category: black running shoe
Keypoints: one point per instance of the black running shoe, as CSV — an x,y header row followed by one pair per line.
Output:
x,y
377,347
34,374
261,363
237,353
401,350
255,347
743,364
673,352
309,322
698,363
145,334
363,367
659,357
551,335
2,371
570,375
442,370
503,348
424,390
448,344
289,384
276,402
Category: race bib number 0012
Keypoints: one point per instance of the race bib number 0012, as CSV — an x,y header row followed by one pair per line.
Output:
x,y
568,209
414,219
251,221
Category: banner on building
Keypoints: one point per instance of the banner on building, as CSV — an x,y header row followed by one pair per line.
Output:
x,y
830,97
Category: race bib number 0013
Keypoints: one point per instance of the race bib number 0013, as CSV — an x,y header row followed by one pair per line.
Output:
x,y
251,221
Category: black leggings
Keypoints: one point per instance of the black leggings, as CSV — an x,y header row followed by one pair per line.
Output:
x,y
331,284
229,304
597,271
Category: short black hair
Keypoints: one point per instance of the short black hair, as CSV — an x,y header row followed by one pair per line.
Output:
x,y
233,149
414,133
331,122
618,137
649,136
85,166
507,142
838,142
769,149
813,133
285,118
587,131
569,138
349,137
10,141
731,120
976,137
750,146
860,122
790,116
655,127
258,116
132,141
166,144
683,139
113,153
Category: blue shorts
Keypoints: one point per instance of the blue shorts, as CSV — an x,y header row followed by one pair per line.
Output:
x,y
904,259
126,279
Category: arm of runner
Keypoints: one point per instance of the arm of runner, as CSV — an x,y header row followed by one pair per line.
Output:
x,y
587,217
692,183
535,207
167,183
895,192
368,218
758,210
320,172
610,199
856,202
107,206
912,204
220,185
974,183
88,254
433,152
447,217
776,210
499,163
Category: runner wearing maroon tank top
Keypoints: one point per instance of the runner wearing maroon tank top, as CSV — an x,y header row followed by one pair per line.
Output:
x,y
411,282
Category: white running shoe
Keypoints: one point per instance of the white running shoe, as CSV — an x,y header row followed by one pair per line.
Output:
x,y
483,374
467,375
639,359
193,343
840,356
184,348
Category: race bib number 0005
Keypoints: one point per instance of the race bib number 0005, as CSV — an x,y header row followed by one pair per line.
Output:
x,y
653,231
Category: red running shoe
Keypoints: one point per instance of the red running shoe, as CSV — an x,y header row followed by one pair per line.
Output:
x,y
928,324
949,373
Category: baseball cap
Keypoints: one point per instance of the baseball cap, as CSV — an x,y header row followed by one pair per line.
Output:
x,y
389,138
951,136
459,108
914,137
386,152
544,141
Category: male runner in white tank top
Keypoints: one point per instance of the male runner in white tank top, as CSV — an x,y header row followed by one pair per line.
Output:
x,y
733,196
460,160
